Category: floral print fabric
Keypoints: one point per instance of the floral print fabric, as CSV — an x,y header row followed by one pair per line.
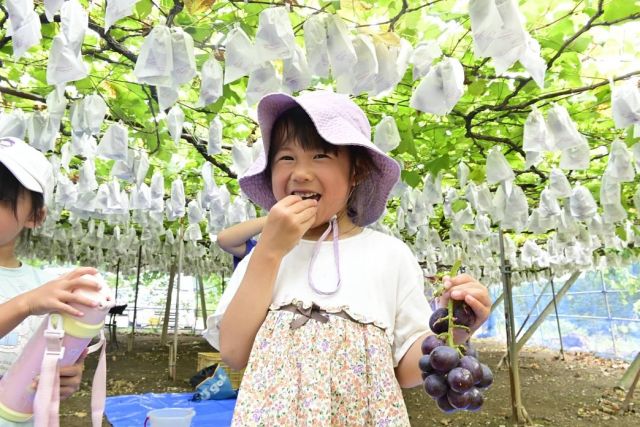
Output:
x,y
338,373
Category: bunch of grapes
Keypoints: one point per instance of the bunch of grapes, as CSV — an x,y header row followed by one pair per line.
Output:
x,y
452,374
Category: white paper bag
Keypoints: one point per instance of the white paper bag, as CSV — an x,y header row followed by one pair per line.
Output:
x,y
441,89
175,123
295,74
184,61
342,55
114,143
498,169
211,78
274,37
619,166
116,10
155,61
315,42
13,124
214,145
422,57
386,136
262,81
240,56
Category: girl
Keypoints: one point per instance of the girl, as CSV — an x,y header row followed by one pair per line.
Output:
x,y
330,329
25,176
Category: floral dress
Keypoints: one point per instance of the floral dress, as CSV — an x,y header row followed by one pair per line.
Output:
x,y
338,372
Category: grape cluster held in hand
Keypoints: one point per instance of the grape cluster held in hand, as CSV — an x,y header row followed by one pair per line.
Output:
x,y
452,374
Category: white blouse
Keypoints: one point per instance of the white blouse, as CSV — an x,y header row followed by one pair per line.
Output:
x,y
382,283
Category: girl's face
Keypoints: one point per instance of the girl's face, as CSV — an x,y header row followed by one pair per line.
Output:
x,y
323,175
12,223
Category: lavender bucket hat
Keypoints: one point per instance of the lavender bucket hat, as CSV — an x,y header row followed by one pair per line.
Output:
x,y
340,122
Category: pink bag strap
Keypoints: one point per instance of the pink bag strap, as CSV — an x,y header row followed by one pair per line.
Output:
x,y
46,405
47,399
99,386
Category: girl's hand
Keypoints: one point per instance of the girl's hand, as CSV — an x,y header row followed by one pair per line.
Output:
x,y
465,288
71,377
287,222
57,294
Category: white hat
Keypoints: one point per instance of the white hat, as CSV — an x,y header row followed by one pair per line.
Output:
x,y
27,164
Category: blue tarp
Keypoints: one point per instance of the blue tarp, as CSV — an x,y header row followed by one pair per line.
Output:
x,y
131,410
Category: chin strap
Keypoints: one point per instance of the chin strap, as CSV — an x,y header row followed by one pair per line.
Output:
x,y
333,225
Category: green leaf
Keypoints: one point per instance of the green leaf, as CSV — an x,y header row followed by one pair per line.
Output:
x,y
439,163
411,177
85,84
477,174
621,232
477,88
143,8
617,9
458,205
580,44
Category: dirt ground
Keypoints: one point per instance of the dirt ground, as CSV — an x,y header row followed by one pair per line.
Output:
x,y
576,392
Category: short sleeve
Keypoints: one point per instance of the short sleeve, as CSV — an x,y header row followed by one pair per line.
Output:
x,y
413,309
212,333
248,247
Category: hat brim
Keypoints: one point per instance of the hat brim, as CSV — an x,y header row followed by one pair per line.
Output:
x,y
337,131
24,177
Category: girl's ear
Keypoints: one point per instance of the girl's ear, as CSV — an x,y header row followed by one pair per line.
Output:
x,y
36,219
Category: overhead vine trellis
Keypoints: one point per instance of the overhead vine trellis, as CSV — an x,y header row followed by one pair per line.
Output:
x,y
450,204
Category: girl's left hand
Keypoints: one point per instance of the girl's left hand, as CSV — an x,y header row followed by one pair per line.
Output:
x,y
70,377
465,288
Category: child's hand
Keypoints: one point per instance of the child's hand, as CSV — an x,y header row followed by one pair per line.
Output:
x,y
71,377
465,288
57,294
287,222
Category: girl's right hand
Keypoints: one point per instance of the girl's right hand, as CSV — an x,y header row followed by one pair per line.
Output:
x,y
56,295
287,222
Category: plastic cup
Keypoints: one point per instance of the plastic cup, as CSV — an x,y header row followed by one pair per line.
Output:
x,y
170,417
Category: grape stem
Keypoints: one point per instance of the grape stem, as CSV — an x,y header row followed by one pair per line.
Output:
x,y
453,272
450,342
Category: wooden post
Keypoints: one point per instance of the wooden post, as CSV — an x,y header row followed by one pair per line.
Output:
x,y
135,301
629,396
167,306
555,308
117,279
497,302
631,372
203,303
519,413
173,355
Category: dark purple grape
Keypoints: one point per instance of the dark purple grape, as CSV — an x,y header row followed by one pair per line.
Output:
x,y
435,385
430,343
487,377
443,359
458,400
475,399
444,405
463,314
460,380
470,351
438,322
425,364
472,365
425,375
